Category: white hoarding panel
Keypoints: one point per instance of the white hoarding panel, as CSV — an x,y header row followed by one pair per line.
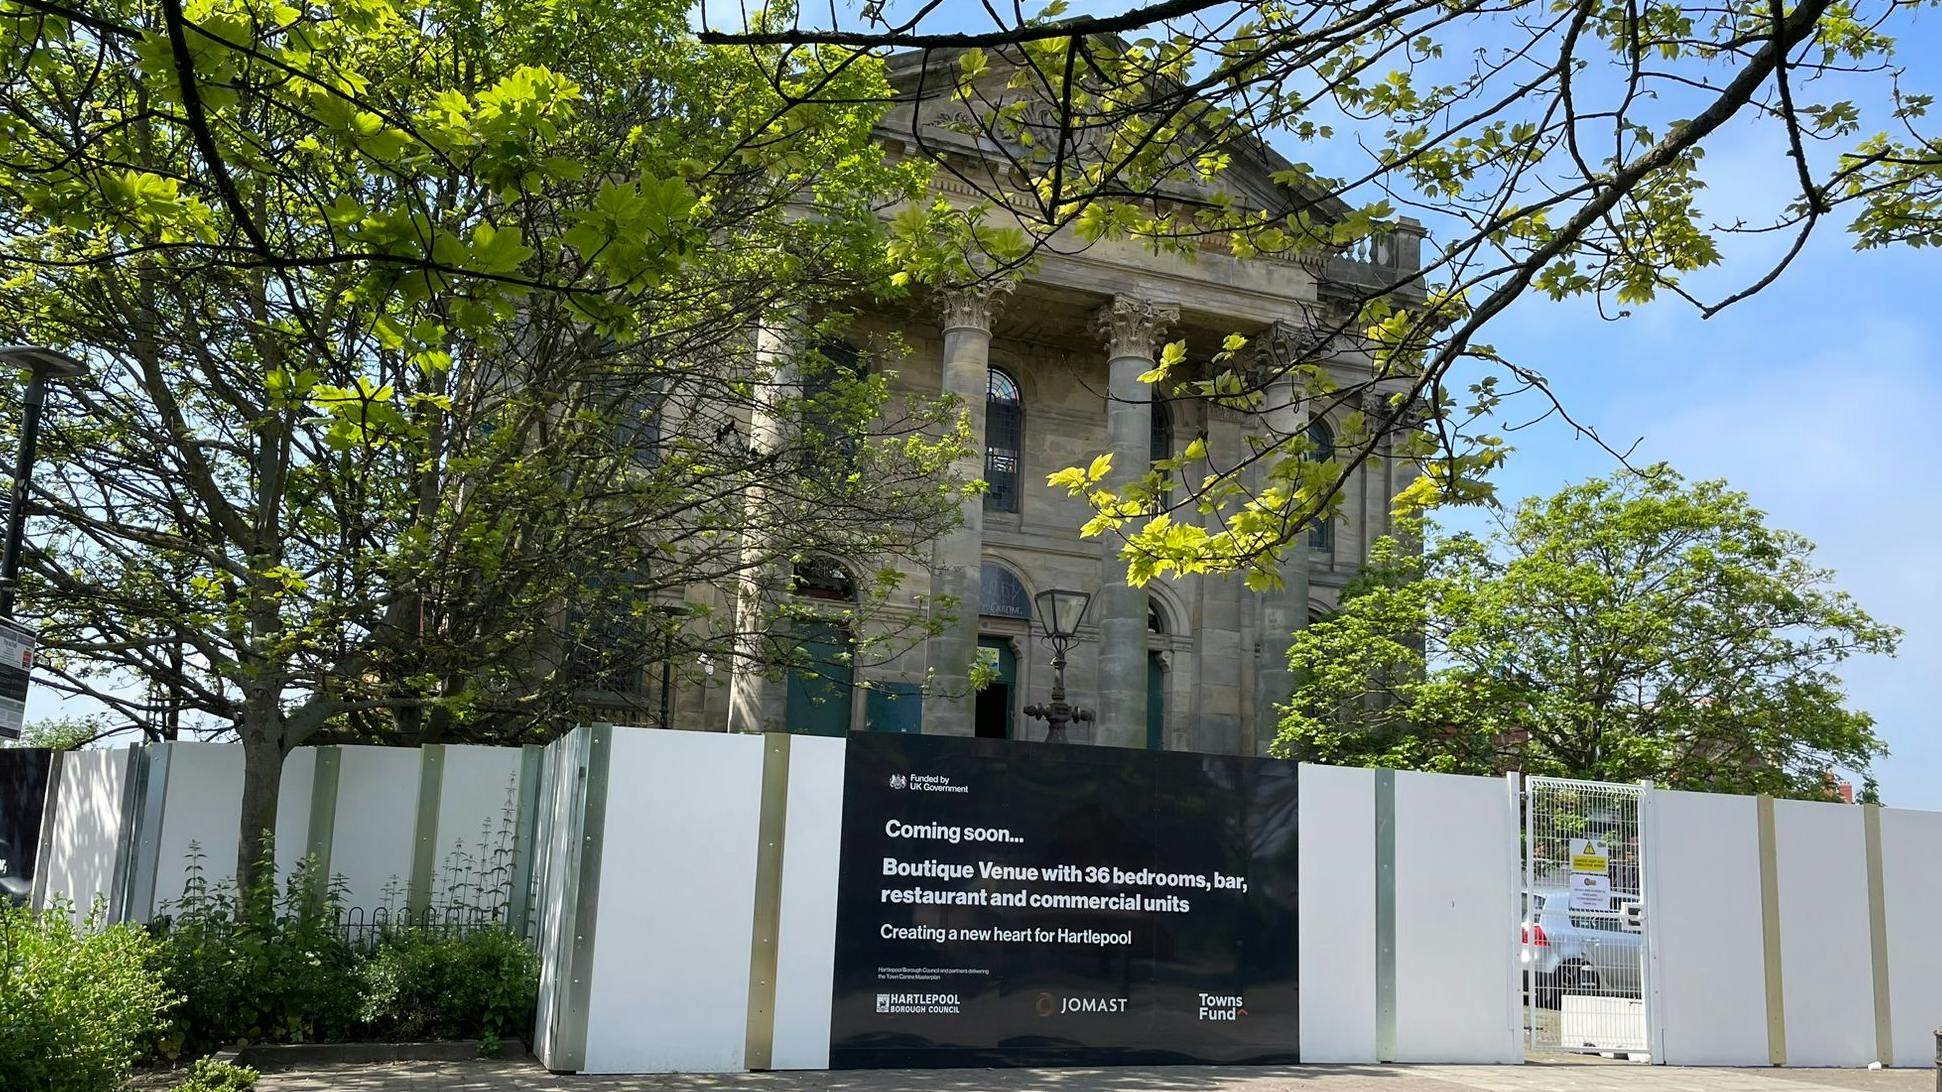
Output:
x,y
81,855
676,903
1456,939
478,809
806,946
202,814
1911,871
1826,966
1336,923
1710,948
377,810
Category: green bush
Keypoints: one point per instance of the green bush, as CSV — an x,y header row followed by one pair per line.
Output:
x,y
78,1004
477,985
210,1075
272,968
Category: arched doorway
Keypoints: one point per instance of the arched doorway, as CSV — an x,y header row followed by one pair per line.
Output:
x,y
997,699
1002,605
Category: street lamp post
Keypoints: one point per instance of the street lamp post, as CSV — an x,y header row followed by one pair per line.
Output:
x,y
671,621
42,364
1060,612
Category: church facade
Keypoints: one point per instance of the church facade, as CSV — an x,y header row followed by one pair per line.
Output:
x,y
1047,372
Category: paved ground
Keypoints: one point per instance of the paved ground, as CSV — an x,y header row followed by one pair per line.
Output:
x,y
505,1076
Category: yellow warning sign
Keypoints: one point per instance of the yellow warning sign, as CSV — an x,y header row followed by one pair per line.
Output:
x,y
1588,856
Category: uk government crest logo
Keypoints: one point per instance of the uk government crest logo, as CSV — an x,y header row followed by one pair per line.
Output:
x,y
898,781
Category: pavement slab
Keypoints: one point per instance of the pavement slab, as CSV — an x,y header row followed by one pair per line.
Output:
x,y
528,1076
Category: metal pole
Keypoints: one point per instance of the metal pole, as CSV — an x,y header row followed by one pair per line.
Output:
x,y
1938,1060
1056,716
22,477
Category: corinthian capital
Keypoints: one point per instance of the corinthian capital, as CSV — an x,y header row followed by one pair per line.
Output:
x,y
1286,344
970,306
1130,326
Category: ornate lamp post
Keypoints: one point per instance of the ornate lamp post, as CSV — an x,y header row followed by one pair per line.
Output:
x,y
1060,612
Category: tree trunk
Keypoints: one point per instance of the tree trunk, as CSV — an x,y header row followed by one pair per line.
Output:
x,y
263,754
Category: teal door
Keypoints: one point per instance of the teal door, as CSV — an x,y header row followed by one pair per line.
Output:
x,y
819,691
1156,703
997,699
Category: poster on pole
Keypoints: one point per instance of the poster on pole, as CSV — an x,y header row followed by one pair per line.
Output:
x,y
1002,902
16,668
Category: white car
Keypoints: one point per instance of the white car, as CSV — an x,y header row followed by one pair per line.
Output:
x,y
1595,953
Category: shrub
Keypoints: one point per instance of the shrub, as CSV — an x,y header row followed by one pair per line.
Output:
x,y
78,1004
477,985
279,968
265,969
210,1075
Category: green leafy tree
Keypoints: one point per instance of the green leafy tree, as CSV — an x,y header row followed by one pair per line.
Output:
x,y
1530,151
425,357
62,733
1630,627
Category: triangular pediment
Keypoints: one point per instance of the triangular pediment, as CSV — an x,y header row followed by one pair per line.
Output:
x,y
940,114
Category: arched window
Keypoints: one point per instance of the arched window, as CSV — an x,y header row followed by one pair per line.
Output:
x,y
1004,439
833,363
824,578
1162,435
1000,595
1321,448
1156,619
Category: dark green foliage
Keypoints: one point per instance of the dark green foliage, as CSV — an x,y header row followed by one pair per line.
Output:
x,y
210,1075
77,1003
265,969
477,985
1628,628
282,968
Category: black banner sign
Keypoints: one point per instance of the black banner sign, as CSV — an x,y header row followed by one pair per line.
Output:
x,y
23,796
1012,903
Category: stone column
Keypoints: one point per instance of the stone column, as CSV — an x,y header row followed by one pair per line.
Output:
x,y
957,557
1131,329
1284,609
1221,687
758,691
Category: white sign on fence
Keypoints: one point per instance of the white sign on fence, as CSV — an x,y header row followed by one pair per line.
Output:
x,y
1591,892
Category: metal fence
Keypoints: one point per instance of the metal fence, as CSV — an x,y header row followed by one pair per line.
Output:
x,y
1584,950
364,929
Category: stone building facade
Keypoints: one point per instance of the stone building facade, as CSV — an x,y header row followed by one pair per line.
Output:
x,y
1048,374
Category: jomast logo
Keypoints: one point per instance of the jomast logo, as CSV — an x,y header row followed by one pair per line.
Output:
x,y
918,1003
898,781
1048,1005
1215,1006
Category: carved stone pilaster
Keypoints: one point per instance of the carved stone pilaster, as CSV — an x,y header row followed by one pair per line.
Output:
x,y
970,306
1131,327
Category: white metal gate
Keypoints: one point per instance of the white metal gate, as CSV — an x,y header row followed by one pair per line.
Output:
x,y
1585,936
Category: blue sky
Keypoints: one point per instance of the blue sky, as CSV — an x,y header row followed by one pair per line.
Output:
x,y
1817,397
